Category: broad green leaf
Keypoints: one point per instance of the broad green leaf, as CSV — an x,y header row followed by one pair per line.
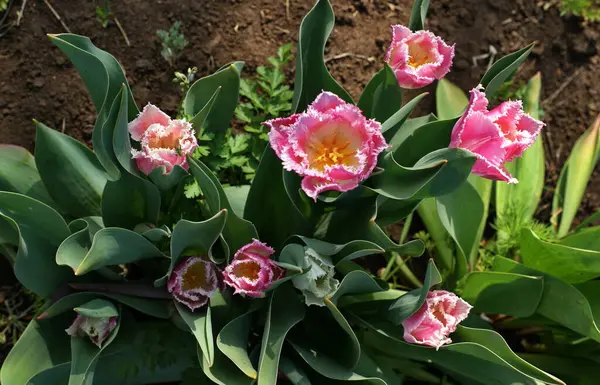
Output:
x,y
409,127
575,176
503,293
450,100
37,237
237,196
422,139
237,231
56,375
130,201
293,372
587,239
410,302
479,356
339,253
528,169
110,246
438,173
223,371
85,355
19,174
120,141
561,302
570,264
563,366
418,14
312,75
285,311
97,308
201,93
428,212
232,341
393,126
268,195
42,345
350,346
200,117
70,171
166,181
104,132
390,211
356,282
462,212
503,69
152,307
200,324
382,96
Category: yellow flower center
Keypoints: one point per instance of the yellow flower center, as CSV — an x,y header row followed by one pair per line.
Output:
x,y
168,141
418,56
331,150
249,270
195,278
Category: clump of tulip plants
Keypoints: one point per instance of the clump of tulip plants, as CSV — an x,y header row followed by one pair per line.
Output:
x,y
259,284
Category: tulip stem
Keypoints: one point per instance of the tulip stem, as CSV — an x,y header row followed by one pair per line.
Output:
x,y
404,270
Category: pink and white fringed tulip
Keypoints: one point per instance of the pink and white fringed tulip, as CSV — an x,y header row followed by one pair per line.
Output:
x,y
252,271
332,145
97,329
495,137
193,281
436,319
418,58
164,142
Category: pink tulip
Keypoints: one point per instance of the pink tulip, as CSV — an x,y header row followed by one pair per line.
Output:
x,y
194,281
332,145
495,137
436,319
418,58
252,271
97,329
164,142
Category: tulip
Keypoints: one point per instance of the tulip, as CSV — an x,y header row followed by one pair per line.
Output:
x,y
332,145
252,271
318,283
495,137
163,142
418,58
97,329
436,319
194,281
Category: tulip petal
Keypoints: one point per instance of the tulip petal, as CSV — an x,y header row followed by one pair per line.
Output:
x,y
150,115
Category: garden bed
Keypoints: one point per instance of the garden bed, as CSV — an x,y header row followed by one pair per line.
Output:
x,y
37,81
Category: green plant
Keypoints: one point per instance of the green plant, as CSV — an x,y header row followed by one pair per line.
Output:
x,y
17,308
589,10
173,42
103,14
3,5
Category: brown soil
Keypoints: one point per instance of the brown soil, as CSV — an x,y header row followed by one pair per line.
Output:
x,y
37,81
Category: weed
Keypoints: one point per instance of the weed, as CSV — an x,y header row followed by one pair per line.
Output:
x,y
234,154
589,10
173,42
104,13
17,307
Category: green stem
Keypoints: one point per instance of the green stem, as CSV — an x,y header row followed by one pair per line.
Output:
x,y
404,270
428,212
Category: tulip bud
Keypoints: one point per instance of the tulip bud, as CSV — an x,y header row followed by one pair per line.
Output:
x,y
97,329
194,281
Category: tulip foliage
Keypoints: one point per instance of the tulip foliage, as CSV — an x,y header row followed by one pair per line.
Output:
x,y
267,284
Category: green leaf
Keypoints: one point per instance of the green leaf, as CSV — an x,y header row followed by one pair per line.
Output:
x,y
19,174
237,197
409,127
382,96
222,104
38,230
356,282
293,372
190,238
237,232
410,302
587,239
232,341
312,75
561,302
42,346
346,252
70,171
130,201
418,14
503,293
201,326
503,69
351,346
268,195
438,173
462,223
567,263
97,308
418,140
392,128
575,176
528,169
152,307
56,375
110,246
390,211
85,355
285,311
450,100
